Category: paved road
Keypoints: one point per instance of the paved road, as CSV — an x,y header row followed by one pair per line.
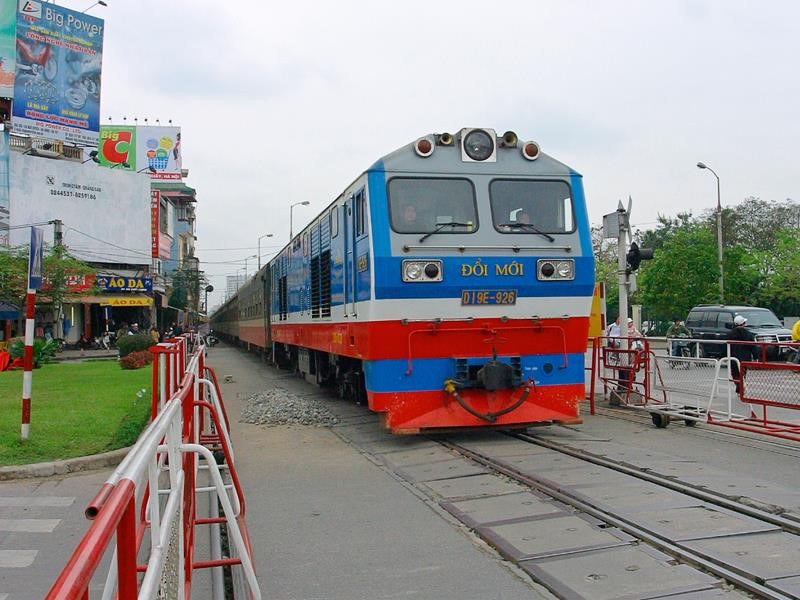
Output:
x,y
41,522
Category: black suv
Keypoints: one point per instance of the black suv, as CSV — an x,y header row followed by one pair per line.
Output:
x,y
714,322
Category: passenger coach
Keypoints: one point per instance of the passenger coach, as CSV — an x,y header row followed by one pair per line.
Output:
x,y
449,285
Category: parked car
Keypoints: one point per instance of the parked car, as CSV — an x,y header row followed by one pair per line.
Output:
x,y
714,322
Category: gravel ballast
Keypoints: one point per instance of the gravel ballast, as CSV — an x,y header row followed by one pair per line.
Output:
x,y
279,406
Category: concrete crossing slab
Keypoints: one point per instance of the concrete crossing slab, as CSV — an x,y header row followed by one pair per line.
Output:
x,y
697,522
551,535
445,469
770,555
626,572
482,511
471,487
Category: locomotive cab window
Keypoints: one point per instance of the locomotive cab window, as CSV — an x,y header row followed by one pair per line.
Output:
x,y
432,205
528,206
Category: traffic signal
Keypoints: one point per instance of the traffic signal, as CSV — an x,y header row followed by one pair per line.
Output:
x,y
636,255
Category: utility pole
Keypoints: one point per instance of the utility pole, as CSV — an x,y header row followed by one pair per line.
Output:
x,y
622,269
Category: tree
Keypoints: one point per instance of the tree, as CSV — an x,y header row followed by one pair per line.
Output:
x,y
782,279
606,268
57,268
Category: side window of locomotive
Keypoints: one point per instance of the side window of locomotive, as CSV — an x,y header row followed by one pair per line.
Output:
x,y
361,213
418,205
544,205
334,217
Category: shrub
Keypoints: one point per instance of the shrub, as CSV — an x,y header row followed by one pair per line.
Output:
x,y
43,350
136,360
133,343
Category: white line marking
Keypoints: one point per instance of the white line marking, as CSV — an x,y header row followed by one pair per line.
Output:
x,y
29,525
17,559
36,501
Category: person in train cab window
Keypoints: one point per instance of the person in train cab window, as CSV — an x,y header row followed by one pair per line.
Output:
x,y
523,217
409,216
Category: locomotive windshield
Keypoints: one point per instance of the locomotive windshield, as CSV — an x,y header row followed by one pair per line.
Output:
x,y
419,205
527,206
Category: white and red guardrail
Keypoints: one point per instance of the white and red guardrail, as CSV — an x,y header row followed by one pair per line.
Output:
x,y
161,476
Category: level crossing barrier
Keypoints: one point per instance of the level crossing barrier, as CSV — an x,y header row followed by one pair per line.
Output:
x,y
184,452
701,385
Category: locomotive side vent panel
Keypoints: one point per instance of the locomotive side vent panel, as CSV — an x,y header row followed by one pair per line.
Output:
x,y
316,291
325,283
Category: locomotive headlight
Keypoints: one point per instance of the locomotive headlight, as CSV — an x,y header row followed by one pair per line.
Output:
x,y
412,271
565,269
555,270
478,145
422,270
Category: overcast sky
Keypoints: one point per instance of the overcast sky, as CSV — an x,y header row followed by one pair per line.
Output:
x,y
281,102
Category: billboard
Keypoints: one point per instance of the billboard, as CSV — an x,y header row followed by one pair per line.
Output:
x,y
57,75
106,212
150,148
8,37
4,203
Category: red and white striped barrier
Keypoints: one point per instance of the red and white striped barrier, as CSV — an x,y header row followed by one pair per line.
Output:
x,y
167,463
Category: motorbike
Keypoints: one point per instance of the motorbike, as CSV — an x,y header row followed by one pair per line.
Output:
x,y
680,346
211,339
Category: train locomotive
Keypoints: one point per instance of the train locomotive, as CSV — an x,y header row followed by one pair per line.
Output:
x,y
449,286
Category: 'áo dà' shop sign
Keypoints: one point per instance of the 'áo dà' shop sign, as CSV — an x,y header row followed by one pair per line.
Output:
x,y
125,284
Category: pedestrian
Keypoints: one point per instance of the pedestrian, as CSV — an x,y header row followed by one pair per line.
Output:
x,y
105,340
740,352
154,335
83,342
613,333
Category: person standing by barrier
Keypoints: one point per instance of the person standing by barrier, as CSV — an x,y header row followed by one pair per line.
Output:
x,y
741,352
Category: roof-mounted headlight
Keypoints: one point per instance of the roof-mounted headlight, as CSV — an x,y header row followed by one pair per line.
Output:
x,y
478,145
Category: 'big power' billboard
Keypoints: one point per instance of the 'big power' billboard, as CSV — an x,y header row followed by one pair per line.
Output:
x,y
152,149
57,75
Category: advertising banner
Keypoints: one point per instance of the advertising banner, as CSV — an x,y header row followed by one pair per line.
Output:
x,y
57,81
151,149
8,37
4,201
106,212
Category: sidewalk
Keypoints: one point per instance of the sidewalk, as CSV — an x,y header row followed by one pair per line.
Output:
x,y
66,355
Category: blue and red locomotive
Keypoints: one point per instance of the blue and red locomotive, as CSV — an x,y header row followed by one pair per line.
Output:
x,y
449,285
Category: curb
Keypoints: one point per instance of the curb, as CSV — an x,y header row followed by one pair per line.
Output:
x,y
64,467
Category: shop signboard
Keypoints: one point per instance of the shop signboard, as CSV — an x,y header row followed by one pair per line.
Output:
x,y
119,283
155,204
127,301
154,150
57,73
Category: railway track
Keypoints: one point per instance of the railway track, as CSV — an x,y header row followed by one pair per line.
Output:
x,y
667,530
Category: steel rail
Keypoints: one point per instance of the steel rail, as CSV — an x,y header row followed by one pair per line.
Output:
x,y
787,524
654,539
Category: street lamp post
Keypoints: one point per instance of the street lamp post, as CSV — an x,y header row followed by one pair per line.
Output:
x,y
246,258
701,165
291,206
259,248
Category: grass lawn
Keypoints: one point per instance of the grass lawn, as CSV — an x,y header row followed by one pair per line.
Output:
x,y
77,408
